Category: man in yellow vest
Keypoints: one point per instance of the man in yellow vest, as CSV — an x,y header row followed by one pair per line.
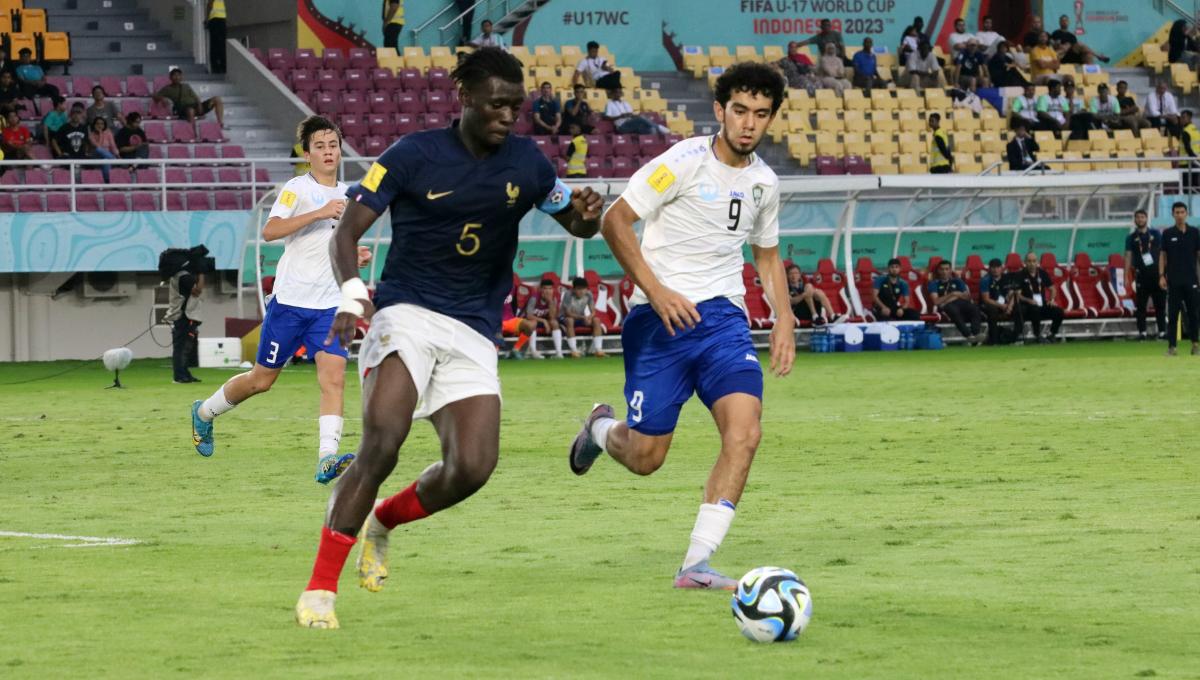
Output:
x,y
1189,140
940,160
393,23
215,23
577,152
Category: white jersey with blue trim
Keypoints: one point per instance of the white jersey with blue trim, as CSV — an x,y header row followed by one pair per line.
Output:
x,y
699,213
304,277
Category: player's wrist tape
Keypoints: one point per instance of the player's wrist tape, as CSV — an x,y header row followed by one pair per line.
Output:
x,y
353,290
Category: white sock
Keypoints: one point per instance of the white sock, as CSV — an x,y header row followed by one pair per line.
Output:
x,y
573,343
600,430
533,352
557,335
712,522
595,343
330,437
215,405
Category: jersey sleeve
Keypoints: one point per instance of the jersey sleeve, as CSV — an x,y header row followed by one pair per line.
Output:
x,y
656,183
287,203
555,194
386,178
765,233
903,288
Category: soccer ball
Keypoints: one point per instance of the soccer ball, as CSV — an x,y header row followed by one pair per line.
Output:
x,y
771,605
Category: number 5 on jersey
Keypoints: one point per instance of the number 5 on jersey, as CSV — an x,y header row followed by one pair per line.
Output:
x,y
468,243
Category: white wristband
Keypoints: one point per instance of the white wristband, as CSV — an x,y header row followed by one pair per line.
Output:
x,y
353,290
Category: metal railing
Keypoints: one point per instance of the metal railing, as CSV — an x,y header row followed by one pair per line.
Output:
x,y
1046,166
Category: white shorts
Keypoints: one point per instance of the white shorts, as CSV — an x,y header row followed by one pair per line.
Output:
x,y
447,359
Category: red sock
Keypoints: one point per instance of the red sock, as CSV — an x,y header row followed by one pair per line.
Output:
x,y
331,557
521,342
402,508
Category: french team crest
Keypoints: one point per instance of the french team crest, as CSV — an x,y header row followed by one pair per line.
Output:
x,y
757,193
513,193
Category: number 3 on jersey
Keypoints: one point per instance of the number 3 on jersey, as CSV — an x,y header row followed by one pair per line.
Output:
x,y
468,243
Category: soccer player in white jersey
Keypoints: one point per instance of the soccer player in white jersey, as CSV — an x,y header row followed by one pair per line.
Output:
x,y
303,302
688,331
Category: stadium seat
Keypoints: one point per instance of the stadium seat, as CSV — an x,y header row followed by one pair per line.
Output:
x,y
120,176
144,201
183,132
831,282
114,201
59,201
91,176
972,273
1090,285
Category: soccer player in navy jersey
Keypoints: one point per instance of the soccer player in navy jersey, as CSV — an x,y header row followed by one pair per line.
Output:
x,y
456,196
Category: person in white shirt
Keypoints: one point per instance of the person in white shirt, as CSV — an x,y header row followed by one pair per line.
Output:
x,y
987,38
620,113
702,201
487,38
959,38
1161,109
924,70
1052,108
304,299
595,71
1024,108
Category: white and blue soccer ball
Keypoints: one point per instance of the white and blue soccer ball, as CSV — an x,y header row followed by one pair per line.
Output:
x,y
772,605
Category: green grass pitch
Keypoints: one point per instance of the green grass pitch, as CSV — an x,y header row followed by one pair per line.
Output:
x,y
995,513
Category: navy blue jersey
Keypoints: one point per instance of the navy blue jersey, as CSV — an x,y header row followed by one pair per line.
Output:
x,y
455,220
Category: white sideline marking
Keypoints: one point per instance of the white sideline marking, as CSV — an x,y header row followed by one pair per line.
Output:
x,y
88,541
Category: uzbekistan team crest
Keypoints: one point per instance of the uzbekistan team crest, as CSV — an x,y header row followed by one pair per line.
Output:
x,y
757,193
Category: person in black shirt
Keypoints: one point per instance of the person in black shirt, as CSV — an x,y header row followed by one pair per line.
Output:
x,y
131,139
998,301
1070,50
1003,68
1141,266
891,296
71,140
809,303
577,111
1131,114
953,299
1177,264
1023,149
1037,300
10,91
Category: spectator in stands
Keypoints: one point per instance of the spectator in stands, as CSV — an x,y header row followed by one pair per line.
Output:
x,y
53,120
827,36
908,44
952,297
1043,60
940,159
542,311
577,112
866,72
891,296
1181,46
1052,108
579,308
1003,69
10,91
1142,249
7,65
1189,142
1106,110
393,23
797,68
15,140
924,70
1037,300
988,39
918,25
831,71
1033,37
957,41
215,23
577,152
1079,116
1177,264
1024,109
100,139
1131,113
102,108
1022,149
998,301
186,103
1070,50
131,139
595,71
970,66
624,121
547,112
809,303
487,38
1161,109
32,77
71,142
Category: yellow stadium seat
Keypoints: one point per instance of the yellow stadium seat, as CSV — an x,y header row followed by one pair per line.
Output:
x,y
828,120
883,122
912,124
830,148
910,143
1122,134
695,60
439,51
797,121
853,100
5,23
447,61
773,53
722,60
33,21
967,144
937,99
858,149
828,99
801,148
884,167
520,52
387,58
1128,146
413,51
912,165
883,144
882,100
718,51
746,53
7,6
1183,77
798,100
965,122
419,62
855,121
1080,146
1154,56
993,123
1093,76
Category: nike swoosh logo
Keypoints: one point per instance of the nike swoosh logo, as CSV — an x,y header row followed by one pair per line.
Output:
x,y
433,197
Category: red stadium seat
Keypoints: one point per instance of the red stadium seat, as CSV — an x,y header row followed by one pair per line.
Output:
x,y
384,80
623,145
160,110
918,294
1090,285
1064,296
361,57
204,151
864,280
210,131
356,79
183,132
830,165
120,176
144,201
197,200
973,273
1013,262
59,201
30,203
91,176
857,165
82,86
334,58
833,283
176,176
226,200
112,86
307,58
1048,261
86,201
1122,295
115,201
205,176
149,175
280,58
136,86
6,203
156,132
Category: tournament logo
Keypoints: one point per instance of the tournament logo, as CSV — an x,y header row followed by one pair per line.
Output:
x,y
757,193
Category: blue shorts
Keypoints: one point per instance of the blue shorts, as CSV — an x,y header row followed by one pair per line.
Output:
x,y
286,328
662,371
